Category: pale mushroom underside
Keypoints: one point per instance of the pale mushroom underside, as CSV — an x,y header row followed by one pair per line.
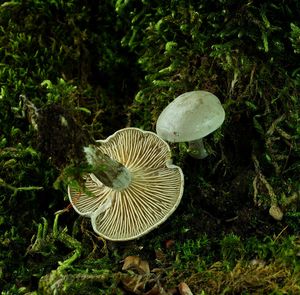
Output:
x,y
152,196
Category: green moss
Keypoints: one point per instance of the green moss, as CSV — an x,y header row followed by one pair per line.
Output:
x,y
243,265
74,71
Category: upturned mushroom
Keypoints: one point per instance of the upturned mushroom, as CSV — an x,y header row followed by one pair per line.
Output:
x,y
190,117
135,187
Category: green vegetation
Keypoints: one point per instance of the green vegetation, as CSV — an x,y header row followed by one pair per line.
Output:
x,y
74,71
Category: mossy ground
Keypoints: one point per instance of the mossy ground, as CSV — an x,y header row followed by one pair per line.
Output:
x,y
74,71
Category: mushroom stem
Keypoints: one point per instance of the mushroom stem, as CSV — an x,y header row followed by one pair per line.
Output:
x,y
110,172
197,149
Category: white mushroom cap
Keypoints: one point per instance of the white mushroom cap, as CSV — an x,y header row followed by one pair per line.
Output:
x,y
152,196
190,116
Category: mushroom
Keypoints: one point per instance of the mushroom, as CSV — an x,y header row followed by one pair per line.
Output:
x,y
134,191
190,117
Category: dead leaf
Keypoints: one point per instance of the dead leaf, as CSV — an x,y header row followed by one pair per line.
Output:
x,y
184,289
137,264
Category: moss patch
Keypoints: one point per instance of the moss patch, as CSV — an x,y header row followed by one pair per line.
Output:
x,y
74,71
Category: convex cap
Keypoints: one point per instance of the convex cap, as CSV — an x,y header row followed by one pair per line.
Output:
x,y
190,116
152,196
